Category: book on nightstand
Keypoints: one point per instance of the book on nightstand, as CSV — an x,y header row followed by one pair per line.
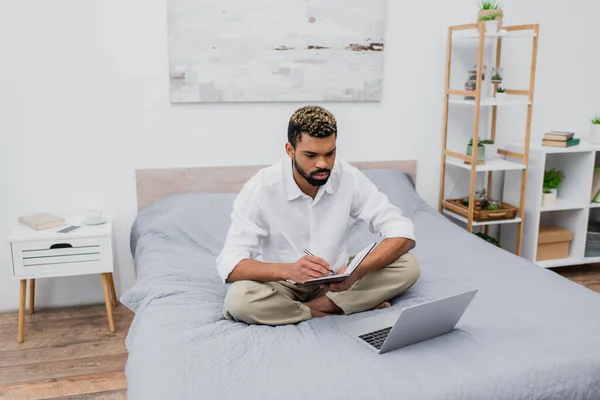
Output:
x,y
42,221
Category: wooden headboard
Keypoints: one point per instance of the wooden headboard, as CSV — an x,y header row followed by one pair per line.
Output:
x,y
156,184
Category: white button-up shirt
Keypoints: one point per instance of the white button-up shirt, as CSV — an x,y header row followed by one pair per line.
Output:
x,y
273,220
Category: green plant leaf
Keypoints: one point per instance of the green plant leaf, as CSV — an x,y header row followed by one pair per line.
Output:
x,y
489,4
553,178
488,238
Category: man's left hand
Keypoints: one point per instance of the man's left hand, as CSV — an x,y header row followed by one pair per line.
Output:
x,y
342,286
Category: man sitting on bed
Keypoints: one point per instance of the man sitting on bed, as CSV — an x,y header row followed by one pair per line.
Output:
x,y
307,201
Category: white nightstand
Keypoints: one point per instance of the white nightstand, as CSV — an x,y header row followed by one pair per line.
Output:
x,y
49,254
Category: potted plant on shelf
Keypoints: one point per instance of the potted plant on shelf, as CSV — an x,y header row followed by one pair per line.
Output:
x,y
500,93
488,238
552,180
595,130
490,149
490,12
480,150
497,75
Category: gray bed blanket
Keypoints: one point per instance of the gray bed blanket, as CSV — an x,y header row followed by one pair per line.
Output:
x,y
528,334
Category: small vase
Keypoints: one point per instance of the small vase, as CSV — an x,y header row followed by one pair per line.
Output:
x,y
491,151
595,134
480,152
492,26
549,199
485,13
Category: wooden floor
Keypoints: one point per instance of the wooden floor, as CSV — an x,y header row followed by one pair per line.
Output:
x,y
70,354
586,275
67,354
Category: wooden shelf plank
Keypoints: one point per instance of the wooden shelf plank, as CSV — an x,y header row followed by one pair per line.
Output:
x,y
490,165
492,101
502,34
567,262
483,223
560,262
562,204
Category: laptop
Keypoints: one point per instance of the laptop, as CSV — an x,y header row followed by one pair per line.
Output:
x,y
391,331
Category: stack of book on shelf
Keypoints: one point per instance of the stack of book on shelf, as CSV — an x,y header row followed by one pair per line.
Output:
x,y
560,139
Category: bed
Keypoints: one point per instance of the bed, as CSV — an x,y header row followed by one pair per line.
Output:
x,y
528,334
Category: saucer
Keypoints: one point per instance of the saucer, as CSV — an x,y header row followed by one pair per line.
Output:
x,y
95,222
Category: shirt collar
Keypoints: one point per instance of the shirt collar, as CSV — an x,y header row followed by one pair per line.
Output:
x,y
291,187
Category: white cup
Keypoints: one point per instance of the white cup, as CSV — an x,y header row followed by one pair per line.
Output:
x,y
93,216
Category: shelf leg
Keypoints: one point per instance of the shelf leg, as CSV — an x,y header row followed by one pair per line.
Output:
x,y
445,131
534,52
481,28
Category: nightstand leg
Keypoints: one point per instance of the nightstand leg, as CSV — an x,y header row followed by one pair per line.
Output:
x,y
31,296
113,293
109,311
21,334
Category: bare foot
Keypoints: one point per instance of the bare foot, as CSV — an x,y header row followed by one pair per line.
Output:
x,y
319,314
324,305
385,304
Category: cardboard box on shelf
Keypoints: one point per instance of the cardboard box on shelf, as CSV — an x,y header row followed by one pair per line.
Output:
x,y
553,243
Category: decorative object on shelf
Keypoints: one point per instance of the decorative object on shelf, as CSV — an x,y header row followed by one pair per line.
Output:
x,y
470,85
497,75
595,130
471,82
481,200
552,180
506,211
491,150
483,71
560,139
480,151
488,238
500,93
553,243
490,10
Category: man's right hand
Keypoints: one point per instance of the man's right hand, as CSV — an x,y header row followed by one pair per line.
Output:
x,y
308,267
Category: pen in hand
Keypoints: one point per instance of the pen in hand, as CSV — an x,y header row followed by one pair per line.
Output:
x,y
308,253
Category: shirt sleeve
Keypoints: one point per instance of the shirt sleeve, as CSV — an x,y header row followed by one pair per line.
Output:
x,y
374,208
245,235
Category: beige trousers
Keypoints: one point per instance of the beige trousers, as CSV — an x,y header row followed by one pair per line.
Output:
x,y
279,303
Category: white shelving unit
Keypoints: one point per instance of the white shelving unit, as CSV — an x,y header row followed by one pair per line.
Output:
x,y
573,209
484,104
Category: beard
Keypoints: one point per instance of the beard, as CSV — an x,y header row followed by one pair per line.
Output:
x,y
310,177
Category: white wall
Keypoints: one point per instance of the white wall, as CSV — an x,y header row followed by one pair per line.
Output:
x,y
93,76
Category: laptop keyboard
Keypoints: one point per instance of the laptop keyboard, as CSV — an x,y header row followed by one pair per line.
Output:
x,y
376,338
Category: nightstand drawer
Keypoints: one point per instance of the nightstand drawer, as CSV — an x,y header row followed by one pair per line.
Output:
x,y
62,257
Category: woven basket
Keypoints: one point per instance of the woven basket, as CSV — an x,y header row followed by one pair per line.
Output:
x,y
485,13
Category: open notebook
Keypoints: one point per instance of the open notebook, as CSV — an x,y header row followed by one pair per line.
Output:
x,y
342,277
